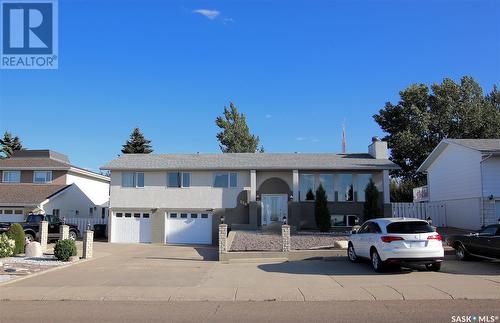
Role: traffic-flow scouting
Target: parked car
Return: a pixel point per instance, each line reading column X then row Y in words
column 31, row 227
column 397, row 242
column 484, row 244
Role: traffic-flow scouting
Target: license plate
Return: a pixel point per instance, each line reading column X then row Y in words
column 417, row 244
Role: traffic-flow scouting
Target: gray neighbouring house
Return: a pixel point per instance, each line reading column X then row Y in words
column 180, row 198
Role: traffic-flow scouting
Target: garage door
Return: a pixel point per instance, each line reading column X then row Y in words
column 11, row 215
column 189, row 228
column 131, row 227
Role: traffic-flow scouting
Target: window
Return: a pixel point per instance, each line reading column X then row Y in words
column 221, row 180
column 173, row 215
column 176, row 179
column 128, row 215
column 119, row 215
column 11, row 176
column 18, row 211
column 137, row 215
column 194, row 215
column 307, row 187
column 362, row 181
column 42, row 176
column 364, row 228
column 204, row 216
column 345, row 188
column 326, row 180
column 488, row 231
column 184, row 215
column 374, row 228
column 409, row 227
column 233, row 179
column 91, row 211
column 145, row 215
column 56, row 212
column 131, row 179
column 8, row 212
column 103, row 212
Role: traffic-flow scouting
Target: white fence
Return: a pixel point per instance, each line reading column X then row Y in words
column 435, row 210
column 82, row 222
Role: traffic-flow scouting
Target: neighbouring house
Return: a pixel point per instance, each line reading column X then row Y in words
column 44, row 181
column 464, row 175
column 181, row 198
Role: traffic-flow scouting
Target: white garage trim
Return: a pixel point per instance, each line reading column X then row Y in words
column 11, row 215
column 131, row 227
column 188, row 228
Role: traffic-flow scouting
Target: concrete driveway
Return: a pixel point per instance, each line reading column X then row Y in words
column 157, row 272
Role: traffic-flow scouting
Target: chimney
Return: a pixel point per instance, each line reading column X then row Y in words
column 378, row 149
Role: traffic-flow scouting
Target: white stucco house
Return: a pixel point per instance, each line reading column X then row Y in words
column 181, row 198
column 464, row 175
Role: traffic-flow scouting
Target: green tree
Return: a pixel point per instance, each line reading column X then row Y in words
column 137, row 144
column 402, row 190
column 310, row 195
column 235, row 136
column 10, row 144
column 16, row 233
column 371, row 206
column 321, row 212
column 423, row 117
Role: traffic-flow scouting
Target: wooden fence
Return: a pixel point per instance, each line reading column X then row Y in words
column 434, row 210
column 82, row 222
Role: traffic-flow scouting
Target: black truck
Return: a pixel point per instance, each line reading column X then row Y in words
column 31, row 227
column 484, row 244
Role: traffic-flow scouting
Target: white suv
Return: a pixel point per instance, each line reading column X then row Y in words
column 397, row 241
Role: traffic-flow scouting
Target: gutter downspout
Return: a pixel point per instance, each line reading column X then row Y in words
column 482, row 187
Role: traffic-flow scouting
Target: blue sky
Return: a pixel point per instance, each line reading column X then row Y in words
column 296, row 69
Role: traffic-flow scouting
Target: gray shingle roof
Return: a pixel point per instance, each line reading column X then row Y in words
column 243, row 161
column 484, row 145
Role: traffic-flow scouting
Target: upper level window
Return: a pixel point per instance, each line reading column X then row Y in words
column 11, row 176
column 346, row 192
column 223, row 179
column 326, row 180
column 362, row 181
column 42, row 176
column 131, row 179
column 307, row 187
column 177, row 179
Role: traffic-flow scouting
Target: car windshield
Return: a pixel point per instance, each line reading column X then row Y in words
column 409, row 227
column 34, row 218
column 488, row 231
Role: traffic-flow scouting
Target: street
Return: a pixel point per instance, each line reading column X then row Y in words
column 342, row 311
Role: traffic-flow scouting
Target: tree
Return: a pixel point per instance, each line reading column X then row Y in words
column 401, row 190
column 235, row 136
column 137, row 144
column 310, row 195
column 423, row 117
column 371, row 206
column 10, row 144
column 321, row 212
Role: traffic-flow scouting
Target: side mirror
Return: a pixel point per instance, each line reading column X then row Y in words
column 354, row 231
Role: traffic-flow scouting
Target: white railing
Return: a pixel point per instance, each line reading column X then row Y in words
column 82, row 222
column 434, row 210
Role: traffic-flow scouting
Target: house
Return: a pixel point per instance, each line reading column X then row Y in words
column 44, row 181
column 464, row 175
column 181, row 198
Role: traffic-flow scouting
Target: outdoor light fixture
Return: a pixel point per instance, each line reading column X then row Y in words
column 491, row 197
column 222, row 219
column 291, row 197
column 284, row 219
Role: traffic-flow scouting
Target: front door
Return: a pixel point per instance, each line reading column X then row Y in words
column 274, row 208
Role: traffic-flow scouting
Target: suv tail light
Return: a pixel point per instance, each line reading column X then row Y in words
column 389, row 239
column 435, row 237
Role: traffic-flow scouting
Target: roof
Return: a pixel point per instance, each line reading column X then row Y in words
column 40, row 153
column 244, row 161
column 32, row 163
column 484, row 146
column 28, row 194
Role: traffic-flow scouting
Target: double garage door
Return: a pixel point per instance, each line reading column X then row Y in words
column 131, row 227
column 11, row 215
column 189, row 228
column 180, row 228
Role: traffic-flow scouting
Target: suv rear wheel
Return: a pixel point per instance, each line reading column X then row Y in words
column 461, row 253
column 377, row 263
column 29, row 236
column 73, row 235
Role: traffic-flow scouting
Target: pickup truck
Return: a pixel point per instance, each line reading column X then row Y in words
column 31, row 227
column 484, row 244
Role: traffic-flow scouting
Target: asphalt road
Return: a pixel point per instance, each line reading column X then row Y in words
column 350, row 311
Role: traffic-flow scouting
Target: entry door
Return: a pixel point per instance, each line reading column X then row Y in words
column 274, row 208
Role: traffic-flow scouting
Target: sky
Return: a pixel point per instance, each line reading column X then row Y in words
column 297, row 70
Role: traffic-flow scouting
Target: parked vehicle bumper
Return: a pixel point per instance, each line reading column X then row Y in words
column 412, row 254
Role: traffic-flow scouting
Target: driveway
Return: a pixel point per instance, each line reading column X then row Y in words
column 157, row 272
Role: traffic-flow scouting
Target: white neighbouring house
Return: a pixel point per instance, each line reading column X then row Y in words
column 464, row 175
column 44, row 181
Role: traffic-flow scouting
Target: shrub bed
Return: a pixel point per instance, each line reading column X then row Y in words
column 6, row 246
column 64, row 249
column 16, row 233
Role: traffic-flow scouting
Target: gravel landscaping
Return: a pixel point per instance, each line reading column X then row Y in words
column 12, row 267
column 271, row 241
